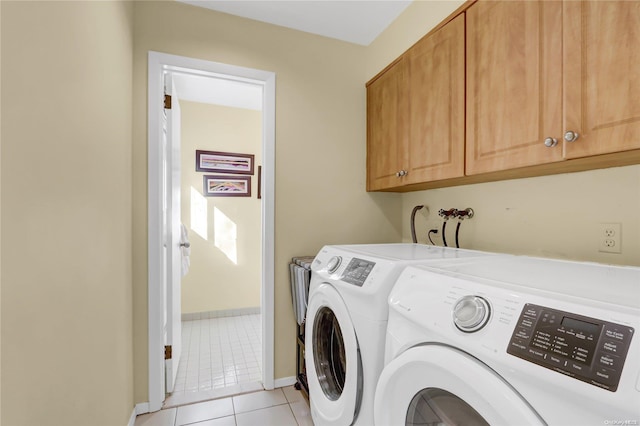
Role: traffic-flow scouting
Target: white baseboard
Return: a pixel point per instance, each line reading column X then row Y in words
column 132, row 418
column 193, row 316
column 142, row 408
column 284, row 382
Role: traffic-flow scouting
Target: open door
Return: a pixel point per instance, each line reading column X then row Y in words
column 172, row 235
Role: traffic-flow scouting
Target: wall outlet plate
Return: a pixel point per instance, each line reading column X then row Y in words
column 610, row 238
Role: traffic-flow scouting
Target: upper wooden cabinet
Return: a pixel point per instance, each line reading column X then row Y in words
column 547, row 87
column 387, row 117
column 514, row 84
column 537, row 70
column 415, row 113
column 601, row 76
column 436, row 105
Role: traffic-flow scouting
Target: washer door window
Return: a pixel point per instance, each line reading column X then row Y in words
column 435, row 406
column 440, row 385
column 329, row 353
column 334, row 368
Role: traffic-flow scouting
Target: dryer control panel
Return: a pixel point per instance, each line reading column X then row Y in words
column 584, row 348
column 357, row 271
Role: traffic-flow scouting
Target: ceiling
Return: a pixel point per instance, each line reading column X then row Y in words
column 354, row 21
column 217, row 91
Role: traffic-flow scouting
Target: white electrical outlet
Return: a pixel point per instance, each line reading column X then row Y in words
column 610, row 238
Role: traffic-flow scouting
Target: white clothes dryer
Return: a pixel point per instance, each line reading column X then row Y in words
column 512, row 341
column 346, row 323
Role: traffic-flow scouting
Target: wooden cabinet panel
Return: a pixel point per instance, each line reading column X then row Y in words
column 533, row 71
column 436, row 104
column 602, row 76
column 415, row 113
column 387, row 115
column 514, row 84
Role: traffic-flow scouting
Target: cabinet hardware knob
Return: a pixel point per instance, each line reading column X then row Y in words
column 550, row 142
column 401, row 173
column 570, row 136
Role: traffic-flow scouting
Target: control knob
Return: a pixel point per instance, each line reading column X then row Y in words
column 334, row 264
column 471, row 313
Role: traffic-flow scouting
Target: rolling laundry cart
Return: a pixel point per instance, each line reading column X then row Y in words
column 300, row 274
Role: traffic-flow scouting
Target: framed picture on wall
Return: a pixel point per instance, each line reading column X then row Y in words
column 227, row 186
column 224, row 162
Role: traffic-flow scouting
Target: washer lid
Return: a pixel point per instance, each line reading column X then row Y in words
column 466, row 388
column 618, row 285
column 332, row 355
column 407, row 252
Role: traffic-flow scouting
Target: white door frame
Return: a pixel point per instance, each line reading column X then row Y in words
column 158, row 63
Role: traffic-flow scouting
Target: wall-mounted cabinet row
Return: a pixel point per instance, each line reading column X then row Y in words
column 507, row 85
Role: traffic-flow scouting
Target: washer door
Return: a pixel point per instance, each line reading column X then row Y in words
column 334, row 369
column 435, row 384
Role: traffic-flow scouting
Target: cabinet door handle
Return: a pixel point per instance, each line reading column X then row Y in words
column 550, row 142
column 401, row 173
column 571, row 136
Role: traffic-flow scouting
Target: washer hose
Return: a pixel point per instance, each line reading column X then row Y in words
column 413, row 223
column 444, row 235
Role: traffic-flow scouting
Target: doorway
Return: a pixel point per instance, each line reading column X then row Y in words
column 159, row 307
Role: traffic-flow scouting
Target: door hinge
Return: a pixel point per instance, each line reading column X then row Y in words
column 167, row 101
column 167, row 352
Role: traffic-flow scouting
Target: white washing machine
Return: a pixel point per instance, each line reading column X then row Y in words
column 346, row 323
column 512, row 341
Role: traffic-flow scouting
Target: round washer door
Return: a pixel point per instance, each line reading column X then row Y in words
column 435, row 384
column 332, row 359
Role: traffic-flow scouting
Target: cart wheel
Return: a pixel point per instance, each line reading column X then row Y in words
column 297, row 386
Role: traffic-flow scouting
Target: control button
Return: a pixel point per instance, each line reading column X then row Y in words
column 577, row 368
column 471, row 313
column 517, row 345
column 523, row 333
column 615, row 333
column 606, row 376
column 531, row 311
column 605, row 360
column 556, row 361
column 334, row 264
column 527, row 322
column 611, row 347
column 534, row 353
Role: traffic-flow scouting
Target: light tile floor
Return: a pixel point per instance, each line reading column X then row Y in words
column 220, row 357
column 279, row 407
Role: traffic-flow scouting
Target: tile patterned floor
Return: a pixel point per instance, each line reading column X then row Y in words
column 278, row 407
column 220, row 357
column 219, row 377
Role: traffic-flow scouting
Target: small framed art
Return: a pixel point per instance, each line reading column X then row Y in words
column 224, row 162
column 227, row 186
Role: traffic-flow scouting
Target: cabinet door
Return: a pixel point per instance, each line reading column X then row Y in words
column 602, row 76
column 436, row 104
column 387, row 115
column 514, row 84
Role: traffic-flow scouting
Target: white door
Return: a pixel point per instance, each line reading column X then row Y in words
column 172, row 231
column 437, row 384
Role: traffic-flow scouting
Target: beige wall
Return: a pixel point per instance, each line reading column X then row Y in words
column 320, row 147
column 412, row 24
column 215, row 281
column 66, row 213
column 551, row 216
